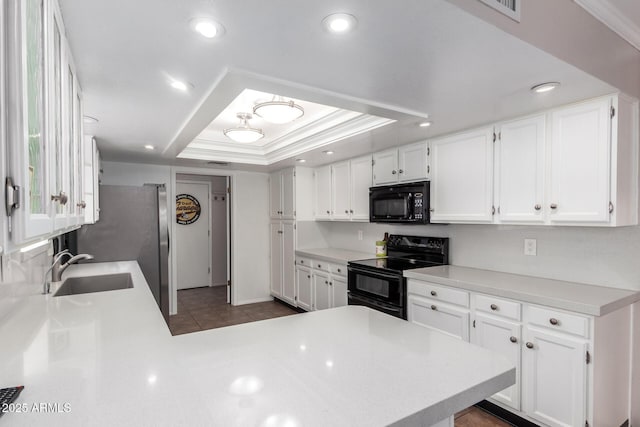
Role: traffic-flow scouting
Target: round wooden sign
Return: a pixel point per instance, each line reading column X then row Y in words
column 187, row 209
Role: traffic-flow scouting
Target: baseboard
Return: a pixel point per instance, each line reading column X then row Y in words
column 219, row 284
column 253, row 301
column 505, row 415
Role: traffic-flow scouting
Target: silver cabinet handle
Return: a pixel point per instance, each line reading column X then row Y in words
column 553, row 321
column 537, row 207
column 513, row 339
column 434, row 293
column 493, row 307
column 553, row 206
column 60, row 198
column 393, row 172
column 82, row 204
column 400, row 171
column 433, row 307
column 529, row 345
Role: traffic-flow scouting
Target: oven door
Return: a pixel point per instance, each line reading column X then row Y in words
column 377, row 285
column 392, row 310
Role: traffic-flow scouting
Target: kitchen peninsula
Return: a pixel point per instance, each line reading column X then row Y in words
column 108, row 359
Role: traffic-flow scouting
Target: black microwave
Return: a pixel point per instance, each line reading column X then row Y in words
column 400, row 203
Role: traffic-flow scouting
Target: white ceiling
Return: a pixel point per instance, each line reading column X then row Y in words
column 425, row 58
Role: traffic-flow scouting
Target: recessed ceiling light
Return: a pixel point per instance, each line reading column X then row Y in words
column 328, row 152
column 88, row 120
column 545, row 87
column 300, row 160
column 339, row 23
column 149, row 147
column 207, row 27
column 424, row 124
column 181, row 86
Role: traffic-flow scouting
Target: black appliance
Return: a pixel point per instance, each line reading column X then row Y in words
column 378, row 283
column 400, row 203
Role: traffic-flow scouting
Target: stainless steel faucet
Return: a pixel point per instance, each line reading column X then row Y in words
column 57, row 268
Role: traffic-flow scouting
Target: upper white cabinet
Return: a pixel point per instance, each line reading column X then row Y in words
column 282, row 193
column 462, row 177
column 342, row 190
column 519, row 170
column 91, row 180
column 404, row 164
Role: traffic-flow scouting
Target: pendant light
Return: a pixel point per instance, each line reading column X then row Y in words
column 278, row 110
column 244, row 133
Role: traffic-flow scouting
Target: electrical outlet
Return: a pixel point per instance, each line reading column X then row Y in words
column 530, row 247
column 360, row 235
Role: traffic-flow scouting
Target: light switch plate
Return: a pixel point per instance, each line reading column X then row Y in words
column 530, row 247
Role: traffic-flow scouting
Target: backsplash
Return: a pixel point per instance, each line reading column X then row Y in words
column 599, row 256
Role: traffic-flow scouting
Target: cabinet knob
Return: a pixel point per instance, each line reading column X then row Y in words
column 434, row 293
column 326, row 282
column 346, row 211
column 330, row 283
column 553, row 321
column 529, row 345
column 431, row 210
column 393, row 172
column 339, row 271
column 308, row 276
column 400, row 171
column 82, row 204
column 60, row 198
column 350, row 210
column 433, row 307
column 537, row 207
column 319, row 266
column 553, row 206
column 493, row 307
column 301, row 261
column 513, row 339
column 327, row 212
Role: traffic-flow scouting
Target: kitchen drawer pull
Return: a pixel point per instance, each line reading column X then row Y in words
column 494, row 307
column 327, row 212
column 553, row 206
column 434, row 293
column 393, row 172
column 308, row 276
column 537, row 207
column 433, row 307
column 529, row 345
column 339, row 271
column 513, row 339
column 346, row 211
column 60, row 198
column 553, row 321
column 319, row 266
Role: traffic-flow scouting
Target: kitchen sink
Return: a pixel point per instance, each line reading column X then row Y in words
column 90, row 284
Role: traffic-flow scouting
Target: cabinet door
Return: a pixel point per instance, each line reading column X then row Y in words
column 519, row 170
column 340, row 191
column 321, row 291
column 288, row 194
column 385, row 167
column 502, row 337
column 339, row 291
column 275, row 195
column 439, row 317
column 412, row 162
column 554, row 378
column 305, row 288
column 462, row 177
column 276, row 259
column 288, row 263
column 89, row 176
column 361, row 171
column 323, row 193
column 580, row 163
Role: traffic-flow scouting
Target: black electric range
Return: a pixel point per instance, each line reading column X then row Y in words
column 378, row 283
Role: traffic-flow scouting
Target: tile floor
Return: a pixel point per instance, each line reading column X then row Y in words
column 207, row 308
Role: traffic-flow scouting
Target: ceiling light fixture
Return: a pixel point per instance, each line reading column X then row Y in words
column 89, row 120
column 181, row 86
column 545, row 87
column 207, row 27
column 424, row 124
column 149, row 147
column 278, row 110
column 244, row 133
column 339, row 23
column 328, row 152
column 300, row 160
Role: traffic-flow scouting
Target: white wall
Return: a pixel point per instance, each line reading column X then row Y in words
column 115, row 173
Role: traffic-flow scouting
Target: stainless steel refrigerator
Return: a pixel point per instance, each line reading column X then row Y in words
column 134, row 226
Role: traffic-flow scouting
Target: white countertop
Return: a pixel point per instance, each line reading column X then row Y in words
column 111, row 357
column 578, row 297
column 340, row 256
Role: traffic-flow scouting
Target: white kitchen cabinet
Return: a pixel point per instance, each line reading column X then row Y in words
column 322, row 291
column 462, row 177
column 439, row 316
column 322, row 193
column 341, row 190
column 91, row 187
column 276, row 258
column 282, row 194
column 360, row 175
column 339, row 291
column 283, row 280
column 304, row 284
column 520, row 171
column 403, row 164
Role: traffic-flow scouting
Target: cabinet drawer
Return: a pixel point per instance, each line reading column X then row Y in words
column 438, row 293
column 338, row 269
column 320, row 265
column 438, row 316
column 558, row 320
column 498, row 306
column 305, row 262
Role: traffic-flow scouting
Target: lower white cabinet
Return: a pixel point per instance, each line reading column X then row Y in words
column 322, row 291
column 304, row 286
column 339, row 291
column 283, row 280
column 439, row 316
column 320, row 285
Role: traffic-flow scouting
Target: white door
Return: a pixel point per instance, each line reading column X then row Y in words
column 340, row 190
column 288, row 263
column 580, row 159
column 275, row 195
column 437, row 316
column 323, row 193
column 288, row 192
column 322, row 295
column 519, row 170
column 339, row 289
column 502, row 337
column 361, row 171
column 385, row 167
column 554, row 378
column 462, row 177
column 192, row 235
column 276, row 258
column 412, row 162
column 305, row 288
